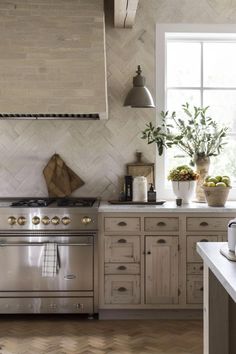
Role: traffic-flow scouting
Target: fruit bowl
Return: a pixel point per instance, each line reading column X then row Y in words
column 216, row 196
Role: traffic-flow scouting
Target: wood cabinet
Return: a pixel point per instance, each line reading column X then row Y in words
column 148, row 260
column 161, row 269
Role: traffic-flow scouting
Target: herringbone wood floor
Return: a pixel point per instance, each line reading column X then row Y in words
column 44, row 335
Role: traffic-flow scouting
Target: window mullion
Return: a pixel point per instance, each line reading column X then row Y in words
column 202, row 73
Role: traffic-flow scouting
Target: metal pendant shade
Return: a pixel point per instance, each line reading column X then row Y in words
column 139, row 96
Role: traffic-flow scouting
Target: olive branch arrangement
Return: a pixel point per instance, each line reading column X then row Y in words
column 196, row 134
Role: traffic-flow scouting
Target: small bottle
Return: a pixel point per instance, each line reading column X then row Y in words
column 152, row 195
column 128, row 188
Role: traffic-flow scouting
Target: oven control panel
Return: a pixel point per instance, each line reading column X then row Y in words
column 38, row 221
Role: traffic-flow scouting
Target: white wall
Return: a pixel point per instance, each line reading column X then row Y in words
column 98, row 151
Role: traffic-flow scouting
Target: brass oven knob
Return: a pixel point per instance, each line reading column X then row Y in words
column 55, row 220
column 46, row 220
column 35, row 220
column 86, row 220
column 11, row 220
column 65, row 220
column 21, row 220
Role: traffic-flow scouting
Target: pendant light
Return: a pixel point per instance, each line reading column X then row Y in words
column 139, row 96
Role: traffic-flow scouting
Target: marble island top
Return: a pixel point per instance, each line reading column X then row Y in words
column 169, row 206
column 223, row 269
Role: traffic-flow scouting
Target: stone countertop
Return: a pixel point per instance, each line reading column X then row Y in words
column 169, row 206
column 223, row 269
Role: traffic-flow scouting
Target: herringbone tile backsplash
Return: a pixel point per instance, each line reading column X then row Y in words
column 99, row 150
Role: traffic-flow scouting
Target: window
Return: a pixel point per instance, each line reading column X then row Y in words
column 197, row 64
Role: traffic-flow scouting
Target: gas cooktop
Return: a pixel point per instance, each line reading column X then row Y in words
column 74, row 202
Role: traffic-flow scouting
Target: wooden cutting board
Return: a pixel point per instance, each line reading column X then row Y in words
column 140, row 168
column 60, row 179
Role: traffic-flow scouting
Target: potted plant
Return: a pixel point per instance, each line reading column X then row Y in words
column 183, row 182
column 196, row 134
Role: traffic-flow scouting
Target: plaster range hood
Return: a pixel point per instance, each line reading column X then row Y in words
column 53, row 65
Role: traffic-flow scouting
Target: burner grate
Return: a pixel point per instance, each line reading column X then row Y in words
column 76, row 202
column 32, row 203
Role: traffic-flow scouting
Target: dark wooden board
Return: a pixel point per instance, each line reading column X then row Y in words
column 158, row 202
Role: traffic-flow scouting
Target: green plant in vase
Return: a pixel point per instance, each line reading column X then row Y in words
column 195, row 134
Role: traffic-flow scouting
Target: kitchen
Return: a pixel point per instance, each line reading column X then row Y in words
column 34, row 54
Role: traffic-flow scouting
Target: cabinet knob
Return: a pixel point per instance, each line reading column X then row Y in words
column 161, row 223
column 161, row 241
column 122, row 223
column 122, row 240
column 201, row 289
column 121, row 267
column 201, row 268
column 203, row 223
column 122, row 289
column 149, row 252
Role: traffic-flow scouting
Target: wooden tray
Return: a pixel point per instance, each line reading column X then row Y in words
column 158, row 202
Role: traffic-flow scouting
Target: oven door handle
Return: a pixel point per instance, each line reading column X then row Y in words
column 3, row 244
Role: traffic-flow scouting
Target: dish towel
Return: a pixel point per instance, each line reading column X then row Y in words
column 50, row 260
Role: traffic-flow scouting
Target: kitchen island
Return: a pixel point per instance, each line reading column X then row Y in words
column 219, row 300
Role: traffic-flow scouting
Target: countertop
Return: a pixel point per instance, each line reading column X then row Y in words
column 223, row 269
column 169, row 206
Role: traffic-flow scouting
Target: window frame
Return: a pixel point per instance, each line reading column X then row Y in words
column 207, row 31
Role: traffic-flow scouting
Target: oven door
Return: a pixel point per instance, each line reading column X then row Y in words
column 21, row 260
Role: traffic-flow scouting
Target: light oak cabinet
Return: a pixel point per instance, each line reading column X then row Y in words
column 149, row 261
column 161, row 269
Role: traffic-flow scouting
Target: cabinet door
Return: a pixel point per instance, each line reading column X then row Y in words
column 161, row 269
column 122, row 249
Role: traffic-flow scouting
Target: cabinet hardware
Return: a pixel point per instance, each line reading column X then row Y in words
column 122, row 223
column 161, row 223
column 203, row 223
column 161, row 241
column 201, row 289
column 122, row 240
column 201, row 268
column 204, row 240
column 149, row 252
column 122, row 289
column 121, row 267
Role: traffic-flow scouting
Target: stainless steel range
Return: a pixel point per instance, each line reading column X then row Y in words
column 48, row 256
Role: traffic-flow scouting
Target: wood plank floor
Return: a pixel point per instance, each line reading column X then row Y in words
column 54, row 335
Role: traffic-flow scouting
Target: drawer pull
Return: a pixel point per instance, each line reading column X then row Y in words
column 122, row 223
column 201, row 268
column 161, row 223
column 201, row 289
column 161, row 241
column 121, row 267
column 204, row 223
column 204, row 240
column 122, row 240
column 122, row 289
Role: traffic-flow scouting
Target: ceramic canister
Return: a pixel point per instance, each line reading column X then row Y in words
column 232, row 235
column 140, row 189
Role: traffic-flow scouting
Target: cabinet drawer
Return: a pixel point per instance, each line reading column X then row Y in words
column 122, row 289
column 122, row 249
column 207, row 224
column 192, row 255
column 194, row 289
column 195, row 268
column 122, row 224
column 122, row 268
column 161, row 224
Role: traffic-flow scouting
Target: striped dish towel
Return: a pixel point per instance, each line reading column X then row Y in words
column 50, row 260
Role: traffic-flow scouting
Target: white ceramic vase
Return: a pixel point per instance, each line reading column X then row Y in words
column 184, row 190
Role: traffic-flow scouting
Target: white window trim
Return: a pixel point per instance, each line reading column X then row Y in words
column 171, row 29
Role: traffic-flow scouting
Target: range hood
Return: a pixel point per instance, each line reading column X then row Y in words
column 53, row 65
